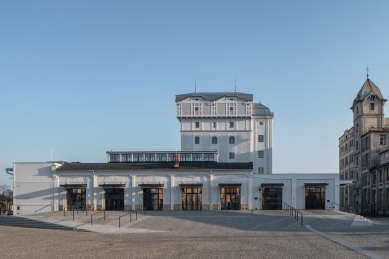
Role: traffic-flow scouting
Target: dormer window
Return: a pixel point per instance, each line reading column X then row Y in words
column 372, row 98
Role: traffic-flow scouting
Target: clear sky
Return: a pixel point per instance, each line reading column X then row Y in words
column 85, row 77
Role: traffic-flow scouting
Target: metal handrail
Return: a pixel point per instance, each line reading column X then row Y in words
column 332, row 205
column 293, row 212
column 91, row 216
column 44, row 207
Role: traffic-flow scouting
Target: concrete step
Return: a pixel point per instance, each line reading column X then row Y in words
column 14, row 221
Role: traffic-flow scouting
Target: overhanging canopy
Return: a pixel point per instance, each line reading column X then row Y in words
column 230, row 184
column 315, row 184
column 115, row 185
column 272, row 185
column 69, row 186
column 151, row 185
column 191, row 185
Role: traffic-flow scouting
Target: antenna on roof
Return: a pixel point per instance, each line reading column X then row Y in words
column 195, row 86
column 367, row 69
column 235, row 84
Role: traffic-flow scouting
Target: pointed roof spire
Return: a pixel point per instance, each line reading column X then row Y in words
column 367, row 74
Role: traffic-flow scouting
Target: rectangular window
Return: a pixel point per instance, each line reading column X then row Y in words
column 260, row 170
column 126, row 158
column 387, row 174
column 197, row 140
column 114, row 158
column 260, row 138
column 383, row 139
column 149, row 157
column 161, row 157
column 231, row 124
column 381, row 175
column 214, row 125
column 356, row 127
column 372, row 106
column 260, row 123
column 260, row 154
column 231, row 155
column 138, row 157
column 197, row 124
column 209, row 157
column 197, row 157
column 185, row 157
column 170, row 157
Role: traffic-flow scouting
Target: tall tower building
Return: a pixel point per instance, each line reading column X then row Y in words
column 360, row 153
column 230, row 123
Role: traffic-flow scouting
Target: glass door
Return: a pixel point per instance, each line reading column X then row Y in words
column 315, row 198
column 191, row 198
column 153, row 198
column 114, row 199
column 230, row 198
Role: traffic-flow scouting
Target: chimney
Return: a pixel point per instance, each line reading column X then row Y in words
column 176, row 160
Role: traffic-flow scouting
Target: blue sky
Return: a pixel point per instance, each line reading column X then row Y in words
column 84, row 77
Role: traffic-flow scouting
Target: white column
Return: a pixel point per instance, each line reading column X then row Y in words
column 171, row 192
column 133, row 195
column 249, row 192
column 294, row 194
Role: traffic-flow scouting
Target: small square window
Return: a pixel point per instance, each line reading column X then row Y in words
column 197, row 125
column 260, row 138
column 231, row 124
column 260, row 170
column 260, row 123
column 261, row 154
column 232, row 155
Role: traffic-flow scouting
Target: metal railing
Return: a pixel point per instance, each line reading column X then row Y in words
column 44, row 207
column 294, row 212
column 332, row 205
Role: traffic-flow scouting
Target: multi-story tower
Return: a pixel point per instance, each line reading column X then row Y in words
column 360, row 148
column 230, row 123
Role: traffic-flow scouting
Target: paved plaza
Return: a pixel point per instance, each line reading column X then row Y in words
column 194, row 234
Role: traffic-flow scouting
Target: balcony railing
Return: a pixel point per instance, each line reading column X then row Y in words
column 374, row 128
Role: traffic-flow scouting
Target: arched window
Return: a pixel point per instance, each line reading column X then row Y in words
column 214, row 140
column 232, row 140
column 197, row 140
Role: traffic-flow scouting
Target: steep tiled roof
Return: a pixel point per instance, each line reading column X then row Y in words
column 153, row 166
column 367, row 88
column 215, row 96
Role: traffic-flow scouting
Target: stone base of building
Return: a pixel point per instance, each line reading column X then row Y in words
column 166, row 207
column 90, row 207
column 177, row 207
column 205, row 206
column 138, row 207
column 127, row 207
column 215, row 207
column 99, row 207
column 244, row 207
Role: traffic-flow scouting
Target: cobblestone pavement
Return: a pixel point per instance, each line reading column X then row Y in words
column 202, row 234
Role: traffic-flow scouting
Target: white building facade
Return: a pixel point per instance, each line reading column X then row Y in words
column 225, row 163
column 230, row 123
column 42, row 187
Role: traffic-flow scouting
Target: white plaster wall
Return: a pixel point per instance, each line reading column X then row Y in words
column 33, row 187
